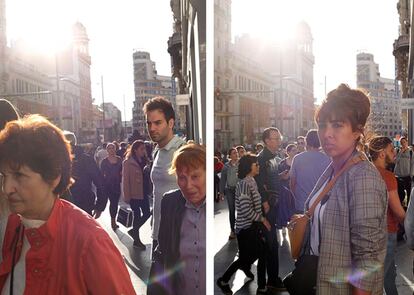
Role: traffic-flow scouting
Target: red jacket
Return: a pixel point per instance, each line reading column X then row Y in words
column 69, row 254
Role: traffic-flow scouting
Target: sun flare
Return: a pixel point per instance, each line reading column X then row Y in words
column 43, row 25
column 268, row 19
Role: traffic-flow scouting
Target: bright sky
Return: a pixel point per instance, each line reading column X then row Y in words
column 340, row 30
column 114, row 28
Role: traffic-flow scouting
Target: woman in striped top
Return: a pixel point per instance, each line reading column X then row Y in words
column 248, row 211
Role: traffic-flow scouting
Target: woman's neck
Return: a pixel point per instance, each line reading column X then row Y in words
column 112, row 158
column 339, row 161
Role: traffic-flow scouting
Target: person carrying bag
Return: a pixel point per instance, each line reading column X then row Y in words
column 302, row 280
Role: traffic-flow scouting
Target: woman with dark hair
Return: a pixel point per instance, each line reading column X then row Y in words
column 111, row 168
column 228, row 183
column 348, row 230
column 50, row 245
column 285, row 164
column 249, row 211
column 133, row 183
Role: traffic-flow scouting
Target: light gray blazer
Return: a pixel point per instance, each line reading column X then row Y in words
column 354, row 231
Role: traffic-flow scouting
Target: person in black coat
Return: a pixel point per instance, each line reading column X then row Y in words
column 85, row 172
column 179, row 261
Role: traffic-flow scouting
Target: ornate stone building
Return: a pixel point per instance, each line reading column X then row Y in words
column 385, row 117
column 403, row 60
column 260, row 84
column 58, row 87
column 148, row 84
column 187, row 47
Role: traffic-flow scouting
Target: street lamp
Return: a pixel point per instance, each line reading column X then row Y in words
column 103, row 109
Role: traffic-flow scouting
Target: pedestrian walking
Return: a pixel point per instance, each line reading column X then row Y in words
column 122, row 150
column 259, row 147
column 404, row 170
column 301, row 143
column 306, row 169
column 50, row 245
column 269, row 184
column 348, row 231
column 382, row 153
column 249, row 236
column 228, row 182
column 179, row 262
column 111, row 168
column 133, row 179
column 286, row 164
column 241, row 150
column 87, row 192
column 101, row 154
column 218, row 166
column 160, row 119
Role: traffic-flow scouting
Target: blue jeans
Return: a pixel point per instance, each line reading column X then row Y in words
column 390, row 270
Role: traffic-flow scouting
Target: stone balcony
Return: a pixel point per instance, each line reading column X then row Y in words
column 402, row 43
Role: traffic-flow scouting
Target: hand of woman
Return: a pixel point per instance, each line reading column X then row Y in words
column 266, row 224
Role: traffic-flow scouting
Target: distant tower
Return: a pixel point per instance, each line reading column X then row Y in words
column 80, row 38
column 82, row 71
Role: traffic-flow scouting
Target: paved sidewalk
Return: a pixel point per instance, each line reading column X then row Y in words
column 226, row 252
column 138, row 262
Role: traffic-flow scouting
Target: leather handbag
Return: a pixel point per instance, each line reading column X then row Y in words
column 298, row 223
column 125, row 216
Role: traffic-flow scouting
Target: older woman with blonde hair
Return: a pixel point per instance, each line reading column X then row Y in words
column 50, row 245
column 179, row 262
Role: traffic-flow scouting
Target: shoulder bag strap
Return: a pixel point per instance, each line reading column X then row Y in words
column 331, row 183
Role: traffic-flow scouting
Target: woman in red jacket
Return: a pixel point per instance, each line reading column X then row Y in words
column 50, row 245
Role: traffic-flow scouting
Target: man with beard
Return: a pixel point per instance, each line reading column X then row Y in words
column 160, row 118
column 382, row 153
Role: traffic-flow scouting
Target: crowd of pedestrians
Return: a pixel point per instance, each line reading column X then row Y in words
column 359, row 190
column 53, row 189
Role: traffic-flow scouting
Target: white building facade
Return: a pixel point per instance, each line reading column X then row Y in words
column 385, row 118
column 148, row 84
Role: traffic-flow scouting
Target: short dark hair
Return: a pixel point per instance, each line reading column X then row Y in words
column 312, row 139
column 290, row 147
column 245, row 165
column 230, row 150
column 7, row 113
column 161, row 104
column 267, row 131
column 38, row 144
column 240, row 147
column 403, row 137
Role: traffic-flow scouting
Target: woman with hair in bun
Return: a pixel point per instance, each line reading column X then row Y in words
column 348, row 230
